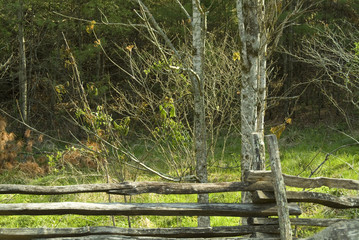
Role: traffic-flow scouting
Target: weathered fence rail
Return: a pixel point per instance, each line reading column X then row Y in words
column 269, row 198
column 133, row 188
column 297, row 221
column 133, row 209
column 300, row 182
column 310, row 197
column 187, row 232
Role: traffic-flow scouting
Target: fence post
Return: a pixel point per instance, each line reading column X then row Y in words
column 259, row 164
column 279, row 189
column 258, row 151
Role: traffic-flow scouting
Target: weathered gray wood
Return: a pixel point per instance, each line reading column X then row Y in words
column 129, row 188
column 258, row 164
column 130, row 209
column 317, row 222
column 266, row 235
column 348, row 230
column 116, row 237
column 258, row 151
column 279, row 189
column 187, row 232
column 300, row 182
column 312, row 197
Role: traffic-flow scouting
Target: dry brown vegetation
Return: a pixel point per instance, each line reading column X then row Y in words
column 83, row 158
column 18, row 154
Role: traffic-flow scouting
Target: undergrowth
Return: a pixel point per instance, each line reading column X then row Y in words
column 305, row 152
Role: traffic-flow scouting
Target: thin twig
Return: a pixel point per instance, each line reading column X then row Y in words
column 104, row 23
column 328, row 155
column 184, row 10
column 34, row 129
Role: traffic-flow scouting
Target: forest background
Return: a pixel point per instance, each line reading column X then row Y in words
column 102, row 96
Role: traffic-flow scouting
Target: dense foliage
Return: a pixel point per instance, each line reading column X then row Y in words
column 94, row 66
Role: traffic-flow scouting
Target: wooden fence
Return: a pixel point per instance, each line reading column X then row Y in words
column 268, row 195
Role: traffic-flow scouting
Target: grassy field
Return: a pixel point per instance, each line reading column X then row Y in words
column 302, row 151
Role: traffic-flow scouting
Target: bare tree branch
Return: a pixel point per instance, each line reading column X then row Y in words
column 184, row 10
column 2, row 66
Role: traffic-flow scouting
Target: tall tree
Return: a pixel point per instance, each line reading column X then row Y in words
column 198, row 38
column 262, row 82
column 249, row 17
column 257, row 28
column 22, row 71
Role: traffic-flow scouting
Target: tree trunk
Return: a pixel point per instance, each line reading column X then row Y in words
column 22, row 69
column 199, row 104
column 262, row 85
column 251, row 23
column 247, row 12
column 259, row 164
column 288, row 64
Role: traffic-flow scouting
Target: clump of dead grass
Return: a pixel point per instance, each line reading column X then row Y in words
column 17, row 153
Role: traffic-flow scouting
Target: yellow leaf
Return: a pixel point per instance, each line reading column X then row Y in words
column 60, row 89
column 236, row 56
column 97, row 43
column 67, row 63
column 288, row 120
column 91, row 27
column 129, row 47
column 278, row 130
column 279, row 7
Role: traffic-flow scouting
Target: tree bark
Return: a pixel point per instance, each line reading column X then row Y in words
column 262, row 84
column 22, row 69
column 199, row 104
column 247, row 13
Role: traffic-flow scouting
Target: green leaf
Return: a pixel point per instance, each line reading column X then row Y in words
column 163, row 112
column 172, row 112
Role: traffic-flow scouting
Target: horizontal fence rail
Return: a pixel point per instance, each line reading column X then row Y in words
column 117, row 237
column 310, row 197
column 132, row 209
column 300, row 182
column 185, row 232
column 317, row 222
column 133, row 188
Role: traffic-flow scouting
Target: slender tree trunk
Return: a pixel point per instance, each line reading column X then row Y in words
column 199, row 104
column 262, row 85
column 22, row 71
column 249, row 30
column 99, row 66
column 259, row 163
column 288, row 62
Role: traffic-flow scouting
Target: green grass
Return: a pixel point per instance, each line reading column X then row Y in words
column 302, row 150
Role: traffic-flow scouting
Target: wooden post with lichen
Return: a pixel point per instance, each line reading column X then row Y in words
column 279, row 189
column 258, row 165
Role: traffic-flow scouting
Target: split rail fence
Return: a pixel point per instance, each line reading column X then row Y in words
column 268, row 214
